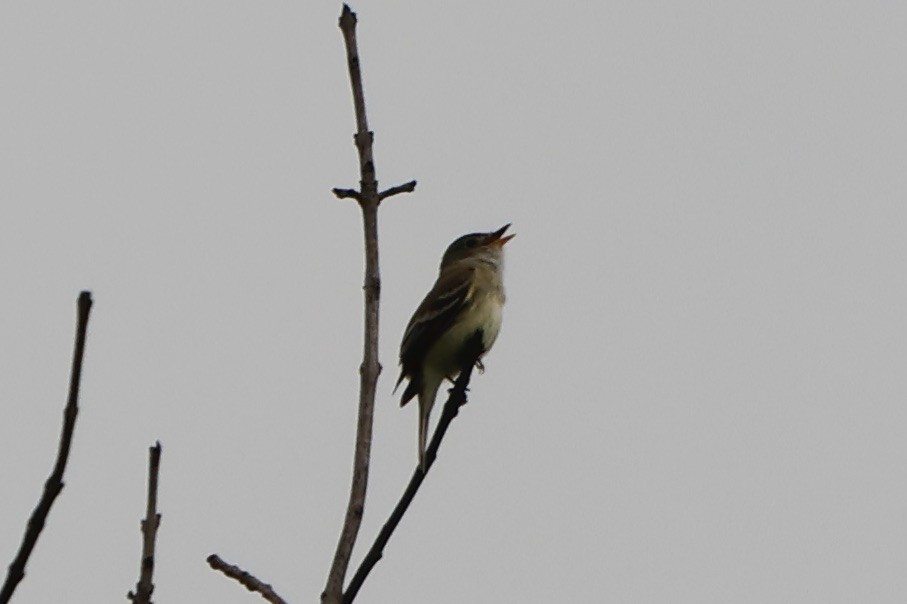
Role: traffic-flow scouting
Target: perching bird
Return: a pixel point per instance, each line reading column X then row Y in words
column 467, row 298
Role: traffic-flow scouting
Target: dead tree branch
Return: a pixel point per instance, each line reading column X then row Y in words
column 347, row 194
column 407, row 187
column 145, row 587
column 369, row 199
column 472, row 353
column 54, row 483
column 248, row 580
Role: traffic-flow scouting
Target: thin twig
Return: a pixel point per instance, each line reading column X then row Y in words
column 407, row 187
column 54, row 483
column 472, row 352
column 248, row 580
column 347, row 194
column 145, row 587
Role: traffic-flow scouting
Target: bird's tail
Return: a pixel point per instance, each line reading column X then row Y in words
column 426, row 402
column 423, row 435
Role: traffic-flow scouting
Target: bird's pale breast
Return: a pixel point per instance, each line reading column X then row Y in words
column 483, row 313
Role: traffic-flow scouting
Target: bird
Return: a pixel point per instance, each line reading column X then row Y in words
column 466, row 299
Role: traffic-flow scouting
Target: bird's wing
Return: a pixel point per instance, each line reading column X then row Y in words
column 439, row 310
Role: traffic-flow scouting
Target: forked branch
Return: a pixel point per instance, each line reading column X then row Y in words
column 368, row 198
column 471, row 354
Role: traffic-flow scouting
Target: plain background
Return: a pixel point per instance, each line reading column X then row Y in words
column 698, row 394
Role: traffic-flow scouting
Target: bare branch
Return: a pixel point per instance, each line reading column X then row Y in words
column 471, row 354
column 145, row 587
column 408, row 187
column 54, row 483
column 248, row 580
column 370, row 368
column 347, row 194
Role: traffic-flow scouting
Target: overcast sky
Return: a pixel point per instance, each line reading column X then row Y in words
column 698, row 394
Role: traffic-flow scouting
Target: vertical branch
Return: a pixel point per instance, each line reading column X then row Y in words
column 369, row 370
column 145, row 587
column 54, row 483
column 369, row 198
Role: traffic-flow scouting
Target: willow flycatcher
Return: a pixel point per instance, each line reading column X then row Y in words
column 467, row 298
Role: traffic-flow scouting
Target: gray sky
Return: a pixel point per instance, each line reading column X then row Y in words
column 698, row 392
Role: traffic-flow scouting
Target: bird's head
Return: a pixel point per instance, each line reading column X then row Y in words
column 478, row 245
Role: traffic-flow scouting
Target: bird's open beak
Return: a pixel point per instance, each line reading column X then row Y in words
column 498, row 239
